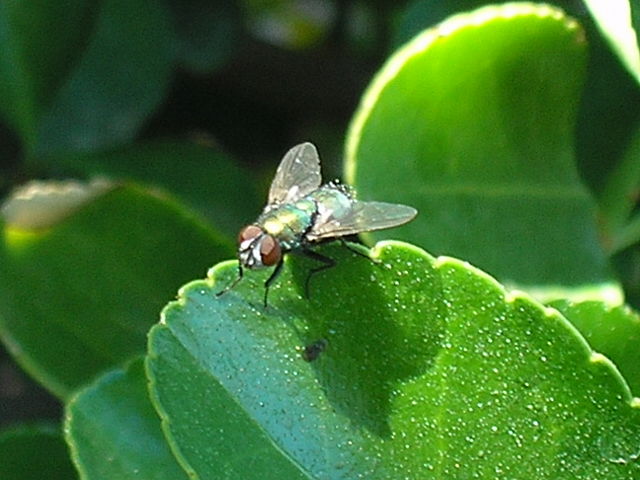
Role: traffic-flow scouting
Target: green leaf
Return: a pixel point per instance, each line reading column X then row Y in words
column 40, row 42
column 114, row 432
column 204, row 177
column 119, row 81
column 474, row 119
column 613, row 331
column 34, row 451
column 206, row 32
column 615, row 19
column 79, row 295
column 429, row 370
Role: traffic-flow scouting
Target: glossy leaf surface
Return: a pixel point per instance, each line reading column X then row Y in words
column 429, row 369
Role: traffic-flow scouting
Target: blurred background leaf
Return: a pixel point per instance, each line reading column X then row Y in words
column 113, row 412
column 513, row 192
column 33, row 66
column 616, row 19
column 200, row 175
column 105, row 255
column 120, row 80
column 612, row 331
column 206, row 32
column 31, row 451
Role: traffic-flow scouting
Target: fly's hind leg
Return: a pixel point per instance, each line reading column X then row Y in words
column 327, row 263
column 348, row 246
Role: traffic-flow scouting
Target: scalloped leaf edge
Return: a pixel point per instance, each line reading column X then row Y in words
column 509, row 296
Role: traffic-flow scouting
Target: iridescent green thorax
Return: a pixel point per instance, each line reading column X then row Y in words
column 290, row 223
column 287, row 223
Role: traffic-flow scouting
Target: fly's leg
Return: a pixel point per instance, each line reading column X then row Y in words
column 234, row 283
column 327, row 261
column 271, row 279
column 348, row 246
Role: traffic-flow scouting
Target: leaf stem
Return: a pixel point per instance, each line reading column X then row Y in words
column 626, row 236
column 619, row 197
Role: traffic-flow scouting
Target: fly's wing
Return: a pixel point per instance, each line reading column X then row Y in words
column 362, row 217
column 297, row 175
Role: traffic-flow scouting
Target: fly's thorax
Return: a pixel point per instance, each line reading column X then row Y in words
column 288, row 223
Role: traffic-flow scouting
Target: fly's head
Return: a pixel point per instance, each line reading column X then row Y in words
column 257, row 249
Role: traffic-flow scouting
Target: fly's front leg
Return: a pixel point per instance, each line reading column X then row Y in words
column 327, row 261
column 234, row 283
column 271, row 279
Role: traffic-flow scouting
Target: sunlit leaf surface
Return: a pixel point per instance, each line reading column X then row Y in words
column 429, row 369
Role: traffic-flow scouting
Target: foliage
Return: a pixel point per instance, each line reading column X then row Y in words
column 513, row 129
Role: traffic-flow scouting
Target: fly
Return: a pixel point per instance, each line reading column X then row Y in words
column 302, row 213
column 313, row 350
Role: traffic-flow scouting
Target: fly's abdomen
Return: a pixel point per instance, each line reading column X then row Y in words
column 332, row 202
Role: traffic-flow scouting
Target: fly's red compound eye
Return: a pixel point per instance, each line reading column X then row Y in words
column 248, row 233
column 270, row 251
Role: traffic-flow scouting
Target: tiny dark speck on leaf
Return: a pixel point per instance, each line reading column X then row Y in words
column 313, row 350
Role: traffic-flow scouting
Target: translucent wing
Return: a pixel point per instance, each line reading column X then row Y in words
column 297, row 175
column 362, row 217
